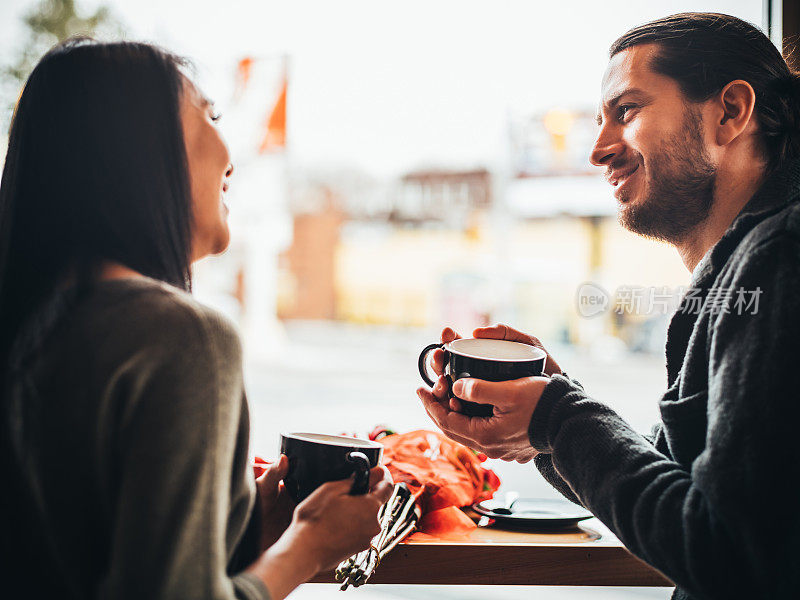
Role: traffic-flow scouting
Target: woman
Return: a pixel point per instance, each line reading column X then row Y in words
column 125, row 426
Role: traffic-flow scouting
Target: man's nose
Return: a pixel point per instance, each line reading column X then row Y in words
column 606, row 147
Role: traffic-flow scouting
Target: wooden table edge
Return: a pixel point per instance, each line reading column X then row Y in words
column 513, row 564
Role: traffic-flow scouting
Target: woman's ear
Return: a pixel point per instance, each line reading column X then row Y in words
column 734, row 108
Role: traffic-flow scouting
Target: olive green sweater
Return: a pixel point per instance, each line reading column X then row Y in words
column 144, row 448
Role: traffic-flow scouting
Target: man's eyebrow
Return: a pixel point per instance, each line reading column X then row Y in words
column 615, row 100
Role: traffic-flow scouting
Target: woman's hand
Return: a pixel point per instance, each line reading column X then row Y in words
column 333, row 525
column 328, row 526
column 274, row 502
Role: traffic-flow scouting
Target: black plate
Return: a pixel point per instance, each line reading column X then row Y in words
column 550, row 512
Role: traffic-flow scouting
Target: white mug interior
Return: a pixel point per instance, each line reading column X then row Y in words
column 497, row 350
column 334, row 440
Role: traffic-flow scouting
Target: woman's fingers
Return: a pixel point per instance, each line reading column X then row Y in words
column 383, row 491
column 378, row 474
column 269, row 479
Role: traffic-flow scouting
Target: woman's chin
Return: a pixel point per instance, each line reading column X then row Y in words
column 223, row 241
column 217, row 245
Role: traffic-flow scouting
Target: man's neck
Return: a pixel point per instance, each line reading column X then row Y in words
column 731, row 193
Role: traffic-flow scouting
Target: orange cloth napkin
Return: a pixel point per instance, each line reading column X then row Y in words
column 260, row 465
column 443, row 475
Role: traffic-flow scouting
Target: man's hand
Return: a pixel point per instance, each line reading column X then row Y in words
column 504, row 332
column 274, row 502
column 505, row 434
column 495, row 332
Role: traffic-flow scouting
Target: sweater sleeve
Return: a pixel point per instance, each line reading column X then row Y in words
column 182, row 399
column 247, row 550
column 716, row 528
column 544, row 464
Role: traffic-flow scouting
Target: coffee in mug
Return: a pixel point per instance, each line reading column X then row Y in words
column 316, row 458
column 487, row 359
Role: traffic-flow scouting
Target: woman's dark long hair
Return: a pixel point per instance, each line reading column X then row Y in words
column 96, row 171
column 704, row 52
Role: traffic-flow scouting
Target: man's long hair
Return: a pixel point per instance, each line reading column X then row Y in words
column 704, row 52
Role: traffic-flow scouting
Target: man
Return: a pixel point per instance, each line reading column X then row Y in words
column 699, row 135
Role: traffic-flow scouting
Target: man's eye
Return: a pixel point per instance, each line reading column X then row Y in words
column 623, row 111
column 215, row 116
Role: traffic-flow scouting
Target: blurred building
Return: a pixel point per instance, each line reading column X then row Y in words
column 440, row 196
column 307, row 269
column 376, row 261
column 568, row 214
column 469, row 247
column 556, row 142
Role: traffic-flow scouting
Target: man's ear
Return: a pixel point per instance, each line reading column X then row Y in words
column 733, row 108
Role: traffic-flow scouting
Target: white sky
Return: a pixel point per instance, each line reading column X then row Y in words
column 388, row 86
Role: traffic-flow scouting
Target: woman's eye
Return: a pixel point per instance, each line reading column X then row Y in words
column 215, row 116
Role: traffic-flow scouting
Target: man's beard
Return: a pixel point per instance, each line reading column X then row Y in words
column 679, row 190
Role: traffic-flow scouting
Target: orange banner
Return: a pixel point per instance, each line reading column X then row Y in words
column 243, row 70
column 275, row 125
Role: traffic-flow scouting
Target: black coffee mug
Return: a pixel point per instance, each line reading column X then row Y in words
column 490, row 360
column 316, row 458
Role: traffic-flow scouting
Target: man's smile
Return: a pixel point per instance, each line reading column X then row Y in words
column 620, row 178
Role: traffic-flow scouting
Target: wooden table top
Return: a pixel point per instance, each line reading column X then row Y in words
column 586, row 555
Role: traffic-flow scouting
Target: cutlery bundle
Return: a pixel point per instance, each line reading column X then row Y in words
column 398, row 518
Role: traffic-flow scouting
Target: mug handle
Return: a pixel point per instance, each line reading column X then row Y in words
column 423, row 363
column 361, row 469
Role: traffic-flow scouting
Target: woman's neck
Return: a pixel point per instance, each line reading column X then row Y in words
column 114, row 270
column 106, row 271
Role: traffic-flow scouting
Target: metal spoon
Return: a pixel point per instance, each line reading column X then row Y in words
column 510, row 498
